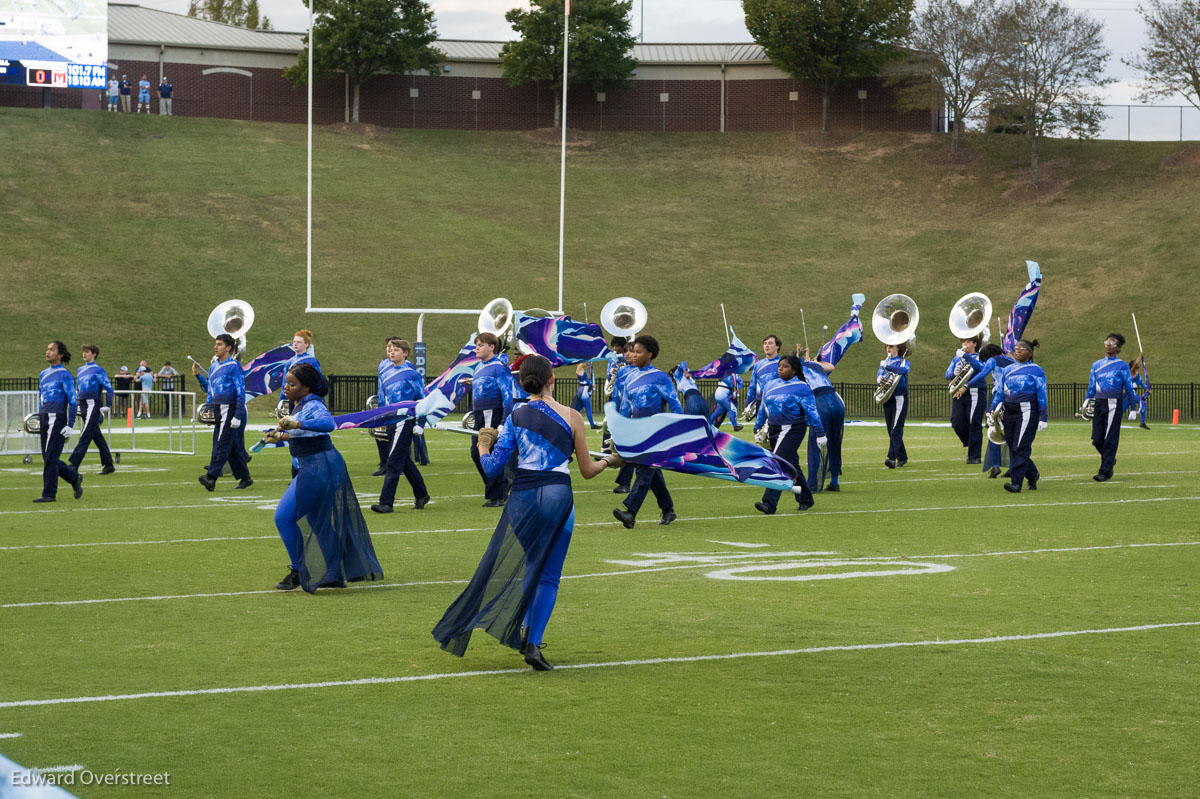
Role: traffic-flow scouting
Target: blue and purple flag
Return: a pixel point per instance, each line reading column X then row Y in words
column 377, row 417
column 847, row 334
column 689, row 444
column 736, row 360
column 1022, row 309
column 561, row 339
column 689, row 393
column 265, row 374
column 463, row 365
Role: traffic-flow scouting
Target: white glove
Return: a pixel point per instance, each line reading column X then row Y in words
column 822, row 441
column 959, row 352
column 1133, row 416
column 418, row 430
column 883, row 363
column 105, row 410
column 858, row 299
column 67, row 432
column 760, row 435
column 236, row 423
column 1042, row 426
column 288, row 423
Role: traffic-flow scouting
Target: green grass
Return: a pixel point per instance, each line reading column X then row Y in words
column 126, row 231
column 1102, row 714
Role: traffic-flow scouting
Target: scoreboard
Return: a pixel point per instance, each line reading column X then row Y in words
column 57, row 44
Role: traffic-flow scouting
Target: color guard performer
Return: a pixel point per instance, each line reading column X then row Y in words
column 491, row 403
column 1022, row 389
column 1110, row 381
column 725, row 402
column 620, row 365
column 789, row 404
column 400, row 383
column 830, row 404
column 90, row 380
column 227, row 391
column 583, row 393
column 301, row 344
column 1141, row 384
column 56, row 417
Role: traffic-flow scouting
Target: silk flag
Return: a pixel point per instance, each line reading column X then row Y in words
column 849, row 333
column 736, row 360
column 377, row 417
column 561, row 340
column 690, row 445
column 265, row 374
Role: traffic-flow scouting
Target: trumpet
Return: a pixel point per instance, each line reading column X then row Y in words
column 894, row 322
column 969, row 317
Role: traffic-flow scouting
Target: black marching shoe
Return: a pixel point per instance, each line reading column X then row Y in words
column 78, row 486
column 1032, row 481
column 290, row 582
column 993, row 472
column 494, row 503
column 1100, row 478
column 382, row 508
column 332, row 584
column 891, row 464
column 620, row 489
column 245, row 482
column 1007, row 473
column 534, row 657
column 668, row 517
column 900, row 464
column 803, row 505
column 380, row 472
column 974, row 460
column 45, row 499
column 208, row 482
column 108, row 469
column 420, row 502
column 1012, row 488
column 524, row 639
column 833, row 487
column 1144, row 426
column 737, row 428
column 624, row 517
column 763, row 507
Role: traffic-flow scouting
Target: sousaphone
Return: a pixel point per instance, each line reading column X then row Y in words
column 894, row 322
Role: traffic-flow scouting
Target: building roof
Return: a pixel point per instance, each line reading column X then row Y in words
column 134, row 24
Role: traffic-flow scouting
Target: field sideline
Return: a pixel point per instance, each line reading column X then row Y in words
column 920, row 633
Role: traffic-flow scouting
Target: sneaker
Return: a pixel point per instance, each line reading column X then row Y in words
column 625, row 517
column 1012, row 488
column 380, row 472
column 667, row 517
column 78, row 486
column 621, row 489
column 891, row 464
column 1144, row 426
column 208, row 482
column 420, row 502
column 382, row 508
column 993, row 472
column 245, row 482
column 737, row 428
column 290, row 582
column 45, row 499
column 494, row 503
column 763, row 507
column 108, row 469
column 534, row 657
column 332, row 584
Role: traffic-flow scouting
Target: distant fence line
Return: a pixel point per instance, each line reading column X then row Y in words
column 158, row 402
column 925, row 400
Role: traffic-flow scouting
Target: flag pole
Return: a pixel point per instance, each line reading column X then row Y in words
column 562, row 190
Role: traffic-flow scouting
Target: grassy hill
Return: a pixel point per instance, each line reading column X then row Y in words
column 127, row 230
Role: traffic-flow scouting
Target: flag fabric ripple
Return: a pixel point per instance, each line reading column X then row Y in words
column 736, row 360
column 562, row 340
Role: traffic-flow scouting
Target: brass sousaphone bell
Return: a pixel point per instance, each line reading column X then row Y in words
column 894, row 322
column 234, row 317
column 969, row 317
column 497, row 318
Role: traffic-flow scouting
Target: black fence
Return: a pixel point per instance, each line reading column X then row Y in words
column 926, row 400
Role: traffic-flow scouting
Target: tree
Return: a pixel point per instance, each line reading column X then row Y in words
column 1170, row 59
column 598, row 49
column 230, row 12
column 1051, row 68
column 955, row 49
column 828, row 42
column 362, row 37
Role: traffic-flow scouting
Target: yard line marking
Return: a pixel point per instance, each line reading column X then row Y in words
column 809, row 513
column 812, row 650
column 58, row 769
column 737, row 544
column 10, row 735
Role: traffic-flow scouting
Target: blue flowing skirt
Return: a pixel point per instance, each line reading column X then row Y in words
column 336, row 542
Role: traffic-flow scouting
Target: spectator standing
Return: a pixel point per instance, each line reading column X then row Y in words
column 168, row 373
column 143, row 94
column 164, row 98
column 122, row 382
column 126, row 87
column 114, row 89
column 145, row 377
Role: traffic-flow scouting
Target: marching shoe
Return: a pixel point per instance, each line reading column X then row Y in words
column 420, row 502
column 380, row 472
column 974, row 460
column 1007, row 473
column 1099, row 478
column 900, row 464
column 668, row 517
column 803, row 505
column 524, row 639
column 1012, row 488
column 738, row 428
column 763, row 507
column 620, row 489
column 332, row 584
column 624, row 517
column 208, row 482
column 494, row 503
column 78, row 486
column 244, row 483
column 891, row 464
column 534, row 657
column 291, row 581
column 382, row 508
column 108, row 469
column 1033, row 482
column 833, row 487
column 993, row 472
column 1144, row 426
column 45, row 499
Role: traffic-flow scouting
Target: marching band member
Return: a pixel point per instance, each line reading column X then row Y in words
column 382, row 445
column 623, row 369
column 301, row 343
column 1022, row 389
column 90, row 379
column 491, row 402
column 968, row 406
column 400, row 383
column 830, row 404
column 765, row 372
column 895, row 410
column 788, row 402
column 583, row 392
column 725, row 402
column 993, row 360
column 227, row 391
column 515, row 586
column 1109, row 382
column 321, row 493
column 1137, row 367
column 644, row 391
column 56, row 415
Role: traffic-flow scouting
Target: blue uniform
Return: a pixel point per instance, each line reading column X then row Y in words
column 966, row 412
column 1022, row 389
column 996, row 455
column 644, row 392
column 583, row 396
column 95, row 391
column 56, row 388
column 765, row 372
column 335, row 544
column 400, row 384
column 895, row 410
column 725, row 402
column 832, row 409
column 626, row 472
column 516, row 582
column 296, row 360
column 1109, row 383
column 790, row 407
column 226, row 387
column 491, row 403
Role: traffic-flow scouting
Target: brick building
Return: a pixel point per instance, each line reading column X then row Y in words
column 222, row 71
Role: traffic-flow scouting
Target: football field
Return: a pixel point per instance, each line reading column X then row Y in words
column 919, row 633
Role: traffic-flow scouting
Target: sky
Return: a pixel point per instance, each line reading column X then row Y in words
column 674, row 21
